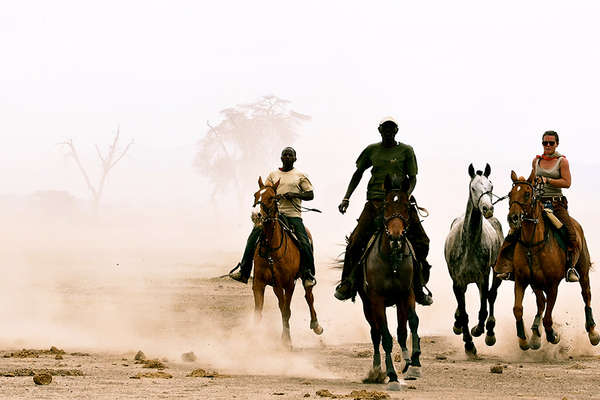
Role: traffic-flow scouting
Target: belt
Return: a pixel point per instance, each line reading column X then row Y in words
column 553, row 198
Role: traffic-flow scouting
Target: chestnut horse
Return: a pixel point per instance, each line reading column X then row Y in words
column 277, row 262
column 540, row 262
column 388, row 270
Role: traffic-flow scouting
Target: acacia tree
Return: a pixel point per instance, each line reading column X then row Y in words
column 107, row 161
column 247, row 136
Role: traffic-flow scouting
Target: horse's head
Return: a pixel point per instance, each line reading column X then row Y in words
column 395, row 207
column 266, row 197
column 522, row 199
column 480, row 190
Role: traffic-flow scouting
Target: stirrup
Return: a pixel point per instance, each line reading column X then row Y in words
column 238, row 276
column 572, row 275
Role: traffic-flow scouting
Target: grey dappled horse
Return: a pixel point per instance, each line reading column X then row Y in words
column 387, row 274
column 471, row 250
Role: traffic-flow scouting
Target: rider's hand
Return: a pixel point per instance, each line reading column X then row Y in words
column 344, row 206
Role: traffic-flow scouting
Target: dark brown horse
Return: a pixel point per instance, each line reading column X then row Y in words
column 388, row 270
column 277, row 262
column 540, row 262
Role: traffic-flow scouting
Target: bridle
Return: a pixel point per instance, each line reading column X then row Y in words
column 387, row 219
column 529, row 245
column 271, row 215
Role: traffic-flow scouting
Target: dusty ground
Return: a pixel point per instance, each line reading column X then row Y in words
column 210, row 318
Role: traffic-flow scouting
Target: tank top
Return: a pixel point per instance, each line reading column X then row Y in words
column 554, row 172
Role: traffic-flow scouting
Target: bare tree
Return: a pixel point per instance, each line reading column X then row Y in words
column 248, row 136
column 108, row 161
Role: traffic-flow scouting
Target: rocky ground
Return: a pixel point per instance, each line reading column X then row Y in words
column 225, row 359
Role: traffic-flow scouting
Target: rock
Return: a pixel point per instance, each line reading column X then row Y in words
column 56, row 350
column 80, row 354
column 496, row 369
column 440, row 357
column 58, row 357
column 157, row 374
column 153, row 364
column 202, row 373
column 139, row 356
column 189, row 357
column 368, row 395
column 324, row 393
column 42, row 379
column 306, row 394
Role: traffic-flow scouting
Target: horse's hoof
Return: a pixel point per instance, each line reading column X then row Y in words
column 470, row 350
column 594, row 337
column 394, row 386
column 554, row 339
column 314, row 325
column 535, row 342
column 490, row 340
column 457, row 330
column 412, row 373
column 523, row 344
column 477, row 331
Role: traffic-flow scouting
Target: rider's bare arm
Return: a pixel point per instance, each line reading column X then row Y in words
column 354, row 181
column 564, row 181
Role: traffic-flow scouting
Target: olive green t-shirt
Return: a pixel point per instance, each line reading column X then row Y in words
column 399, row 160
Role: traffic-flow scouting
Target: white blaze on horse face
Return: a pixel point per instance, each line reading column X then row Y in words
column 395, row 198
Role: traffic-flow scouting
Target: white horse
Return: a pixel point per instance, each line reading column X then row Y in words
column 471, row 250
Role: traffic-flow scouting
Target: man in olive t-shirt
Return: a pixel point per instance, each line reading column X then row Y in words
column 387, row 157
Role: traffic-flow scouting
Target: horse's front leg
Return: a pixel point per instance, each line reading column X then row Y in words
column 552, row 336
column 490, row 336
column 281, row 302
column 310, row 299
column 518, row 312
column 402, row 315
column 414, row 370
column 286, row 314
column 462, row 319
column 258, row 287
column 586, row 294
column 376, row 375
column 483, row 313
column 535, row 341
column 387, row 341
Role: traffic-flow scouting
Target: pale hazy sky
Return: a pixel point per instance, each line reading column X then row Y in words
column 468, row 81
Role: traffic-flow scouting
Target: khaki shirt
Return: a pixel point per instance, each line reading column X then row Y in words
column 292, row 181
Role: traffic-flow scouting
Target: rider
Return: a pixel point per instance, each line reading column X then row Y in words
column 553, row 168
column 294, row 187
column 387, row 158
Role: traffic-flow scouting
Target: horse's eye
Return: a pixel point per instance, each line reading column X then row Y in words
column 527, row 194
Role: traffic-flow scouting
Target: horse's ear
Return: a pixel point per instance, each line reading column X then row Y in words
column 488, row 170
column 471, row 171
column 513, row 176
column 387, row 183
column 531, row 176
column 260, row 182
column 276, row 185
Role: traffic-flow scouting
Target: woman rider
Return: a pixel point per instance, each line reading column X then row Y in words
column 553, row 168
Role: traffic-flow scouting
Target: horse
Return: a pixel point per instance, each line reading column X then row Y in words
column 387, row 281
column 540, row 262
column 470, row 250
column 277, row 263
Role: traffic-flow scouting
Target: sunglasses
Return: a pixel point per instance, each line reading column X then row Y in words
column 548, row 143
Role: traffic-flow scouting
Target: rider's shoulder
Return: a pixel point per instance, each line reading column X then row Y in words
column 406, row 147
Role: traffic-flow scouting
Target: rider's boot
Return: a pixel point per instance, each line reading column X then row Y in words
column 308, row 278
column 504, row 265
column 418, row 286
column 571, row 275
column 241, row 275
column 346, row 289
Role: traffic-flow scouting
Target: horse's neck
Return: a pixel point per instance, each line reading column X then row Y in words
column 272, row 231
column 534, row 232
column 473, row 220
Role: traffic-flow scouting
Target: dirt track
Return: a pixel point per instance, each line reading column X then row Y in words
column 210, row 317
